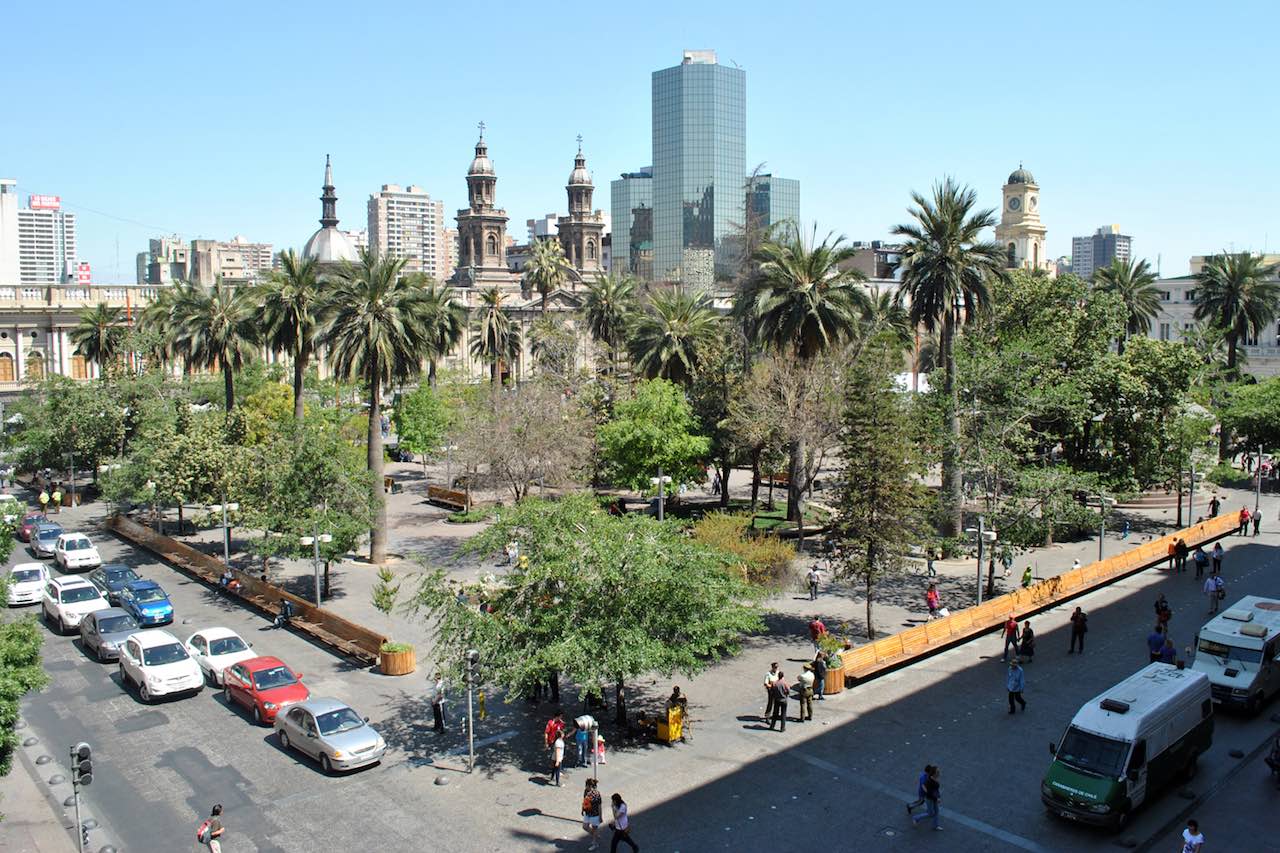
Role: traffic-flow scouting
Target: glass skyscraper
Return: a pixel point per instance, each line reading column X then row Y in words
column 631, row 206
column 699, row 168
column 774, row 200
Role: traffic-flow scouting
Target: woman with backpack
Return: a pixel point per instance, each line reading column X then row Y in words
column 210, row 832
column 591, row 810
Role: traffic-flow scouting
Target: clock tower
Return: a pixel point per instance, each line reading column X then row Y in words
column 1020, row 231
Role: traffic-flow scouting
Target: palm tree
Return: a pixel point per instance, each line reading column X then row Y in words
column 1238, row 293
column 216, row 326
column 667, row 335
column 946, row 269
column 803, row 301
column 610, row 301
column 446, row 320
column 156, row 319
column 882, row 312
column 97, row 335
column 1136, row 286
column 495, row 337
column 374, row 324
column 290, row 299
column 547, row 268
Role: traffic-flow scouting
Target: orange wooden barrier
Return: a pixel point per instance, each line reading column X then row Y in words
column 875, row 658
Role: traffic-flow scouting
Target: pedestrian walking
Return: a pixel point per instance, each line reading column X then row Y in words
column 1026, row 577
column 1124, row 531
column 820, row 675
column 1202, row 561
column 1244, row 521
column 1155, row 644
column 770, row 677
column 932, row 600
column 437, row 704
column 209, row 833
column 1016, row 682
column 1168, row 653
column 621, row 826
column 1010, row 637
column 591, row 802
column 1217, row 557
column 804, row 691
column 1006, row 560
column 1028, row 645
column 1257, row 521
column 583, row 727
column 1214, row 590
column 1075, row 564
column 929, row 568
column 1180, row 552
column 1192, row 838
column 56, row 499
column 816, row 631
column 1079, row 627
column 715, row 483
column 557, row 758
column 1163, row 613
column 44, row 501
column 932, row 797
column 814, row 577
column 554, row 726
column 781, row 689
column 1215, row 504
column 920, row 789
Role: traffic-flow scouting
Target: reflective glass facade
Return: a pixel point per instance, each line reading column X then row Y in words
column 699, row 166
column 775, row 200
column 631, row 206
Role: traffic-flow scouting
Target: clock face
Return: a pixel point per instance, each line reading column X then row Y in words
column 1015, row 203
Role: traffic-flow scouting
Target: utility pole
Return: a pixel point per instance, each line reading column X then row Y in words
column 1191, row 497
column 1257, row 494
column 473, row 657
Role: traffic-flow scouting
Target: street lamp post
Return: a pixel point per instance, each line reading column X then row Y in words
column 661, row 482
column 226, row 528
column 473, row 658
column 1257, row 494
column 984, row 535
column 1103, row 503
column 315, row 541
column 150, row 486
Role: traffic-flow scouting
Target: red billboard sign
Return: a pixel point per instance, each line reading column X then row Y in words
column 44, row 202
column 83, row 275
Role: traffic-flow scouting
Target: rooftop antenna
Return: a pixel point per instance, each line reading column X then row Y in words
column 735, row 63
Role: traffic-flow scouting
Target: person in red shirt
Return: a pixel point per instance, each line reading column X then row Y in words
column 816, row 630
column 1011, row 637
column 1244, row 521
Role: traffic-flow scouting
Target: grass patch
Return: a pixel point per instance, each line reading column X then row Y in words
column 392, row 648
column 474, row 516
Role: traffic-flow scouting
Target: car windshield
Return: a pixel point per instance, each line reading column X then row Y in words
column 120, row 575
column 343, row 720
column 226, row 646
column 77, row 544
column 81, row 593
column 48, row 533
column 1224, row 653
column 148, row 594
column 277, row 676
column 1092, row 753
column 116, row 624
column 24, row 575
column 157, row 655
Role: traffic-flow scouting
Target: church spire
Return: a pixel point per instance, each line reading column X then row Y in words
column 328, row 199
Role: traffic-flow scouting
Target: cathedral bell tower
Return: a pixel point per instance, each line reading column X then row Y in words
column 482, row 227
column 582, row 231
column 1020, row 231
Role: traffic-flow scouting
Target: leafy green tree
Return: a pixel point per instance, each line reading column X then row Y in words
column 602, row 600
column 553, row 345
column 495, row 337
column 290, row 299
column 1135, row 284
column 547, row 269
column 63, row 417
column 1252, row 414
column 804, row 301
column 666, row 335
column 653, row 433
column 446, row 322
column 216, row 327
column 947, row 270
column 717, row 379
column 610, row 302
column 879, row 493
column 20, row 668
column 265, row 412
column 98, row 335
column 422, row 423
column 375, row 326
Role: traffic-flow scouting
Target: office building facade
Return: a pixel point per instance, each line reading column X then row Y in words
column 631, row 203
column 1099, row 249
column 406, row 223
column 773, row 201
column 9, row 267
column 46, row 242
column 699, row 167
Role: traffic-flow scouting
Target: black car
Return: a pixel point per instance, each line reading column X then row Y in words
column 111, row 578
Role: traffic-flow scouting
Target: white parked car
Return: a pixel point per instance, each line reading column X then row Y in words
column 74, row 552
column 26, row 583
column 66, row 601
column 159, row 665
column 11, row 509
column 215, row 649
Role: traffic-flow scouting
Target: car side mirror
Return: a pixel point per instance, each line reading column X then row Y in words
column 299, row 675
column 311, row 734
column 366, row 719
column 1053, row 748
column 1132, row 775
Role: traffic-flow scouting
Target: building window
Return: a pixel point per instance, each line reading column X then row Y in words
column 591, row 250
column 35, row 366
column 1164, row 331
column 79, row 367
column 6, row 367
column 1165, row 295
column 1191, row 295
column 491, row 245
column 1013, row 253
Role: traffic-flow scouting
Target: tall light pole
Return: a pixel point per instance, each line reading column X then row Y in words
column 983, row 536
column 661, row 482
column 1103, row 503
column 224, row 508
column 315, row 541
column 473, row 657
column 1257, row 494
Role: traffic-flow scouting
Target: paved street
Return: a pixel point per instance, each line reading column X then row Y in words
column 838, row 782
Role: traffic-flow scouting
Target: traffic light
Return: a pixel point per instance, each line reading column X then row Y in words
column 84, row 836
column 82, row 764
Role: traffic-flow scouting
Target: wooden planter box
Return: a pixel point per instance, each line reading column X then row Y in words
column 397, row 663
column 834, row 682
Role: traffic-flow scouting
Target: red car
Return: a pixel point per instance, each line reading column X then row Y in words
column 28, row 524
column 264, row 686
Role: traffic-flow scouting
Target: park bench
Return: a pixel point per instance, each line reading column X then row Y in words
column 448, row 498
column 779, row 479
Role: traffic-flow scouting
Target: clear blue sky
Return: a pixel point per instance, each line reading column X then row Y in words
column 214, row 120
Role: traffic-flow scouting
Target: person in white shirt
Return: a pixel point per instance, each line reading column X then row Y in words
column 1213, row 588
column 1192, row 838
column 621, row 826
column 770, row 677
column 815, row 577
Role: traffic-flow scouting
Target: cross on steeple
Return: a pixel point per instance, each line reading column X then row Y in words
column 579, row 143
column 481, row 130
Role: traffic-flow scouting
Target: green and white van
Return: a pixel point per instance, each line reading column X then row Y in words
column 1127, row 743
column 1239, row 649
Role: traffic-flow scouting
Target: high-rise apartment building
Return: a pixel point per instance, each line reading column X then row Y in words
column 1099, row 249
column 203, row 261
column 699, row 166
column 406, row 223
column 9, row 268
column 46, row 241
column 258, row 259
column 631, row 200
column 449, row 260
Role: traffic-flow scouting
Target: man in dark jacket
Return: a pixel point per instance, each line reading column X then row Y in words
column 819, row 674
column 781, row 690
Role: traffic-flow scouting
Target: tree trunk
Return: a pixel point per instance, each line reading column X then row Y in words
column 431, row 372
column 324, row 593
column 1224, row 435
column 952, row 499
column 182, row 525
column 299, row 370
column 871, row 562
column 378, row 534
column 229, row 385
column 619, row 703
column 725, row 470
column 755, row 478
column 795, row 471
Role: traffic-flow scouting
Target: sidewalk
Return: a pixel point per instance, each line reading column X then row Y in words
column 30, row 823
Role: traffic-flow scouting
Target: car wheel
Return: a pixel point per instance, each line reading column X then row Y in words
column 284, row 739
column 325, row 764
column 124, row 677
column 1254, row 704
column 102, row 658
column 226, row 694
column 144, row 694
column 257, row 716
column 62, row 626
column 1193, row 764
column 1122, row 820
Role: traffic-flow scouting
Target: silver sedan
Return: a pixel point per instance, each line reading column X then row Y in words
column 332, row 733
column 104, row 631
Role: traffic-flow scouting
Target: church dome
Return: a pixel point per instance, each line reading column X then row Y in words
column 580, row 175
column 329, row 246
column 1021, row 176
column 481, row 165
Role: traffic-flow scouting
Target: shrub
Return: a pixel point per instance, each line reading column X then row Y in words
column 471, row 517
column 392, row 648
column 762, row 559
column 1226, row 474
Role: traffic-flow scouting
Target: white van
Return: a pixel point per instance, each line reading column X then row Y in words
column 1127, row 743
column 1239, row 649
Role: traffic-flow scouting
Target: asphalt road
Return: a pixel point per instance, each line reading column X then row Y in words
column 837, row 783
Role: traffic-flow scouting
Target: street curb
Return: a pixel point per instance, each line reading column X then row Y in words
column 57, row 812
column 1178, row 820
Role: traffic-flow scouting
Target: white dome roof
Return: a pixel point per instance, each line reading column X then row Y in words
column 329, row 246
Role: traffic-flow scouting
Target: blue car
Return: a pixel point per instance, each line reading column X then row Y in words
column 112, row 578
column 146, row 602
